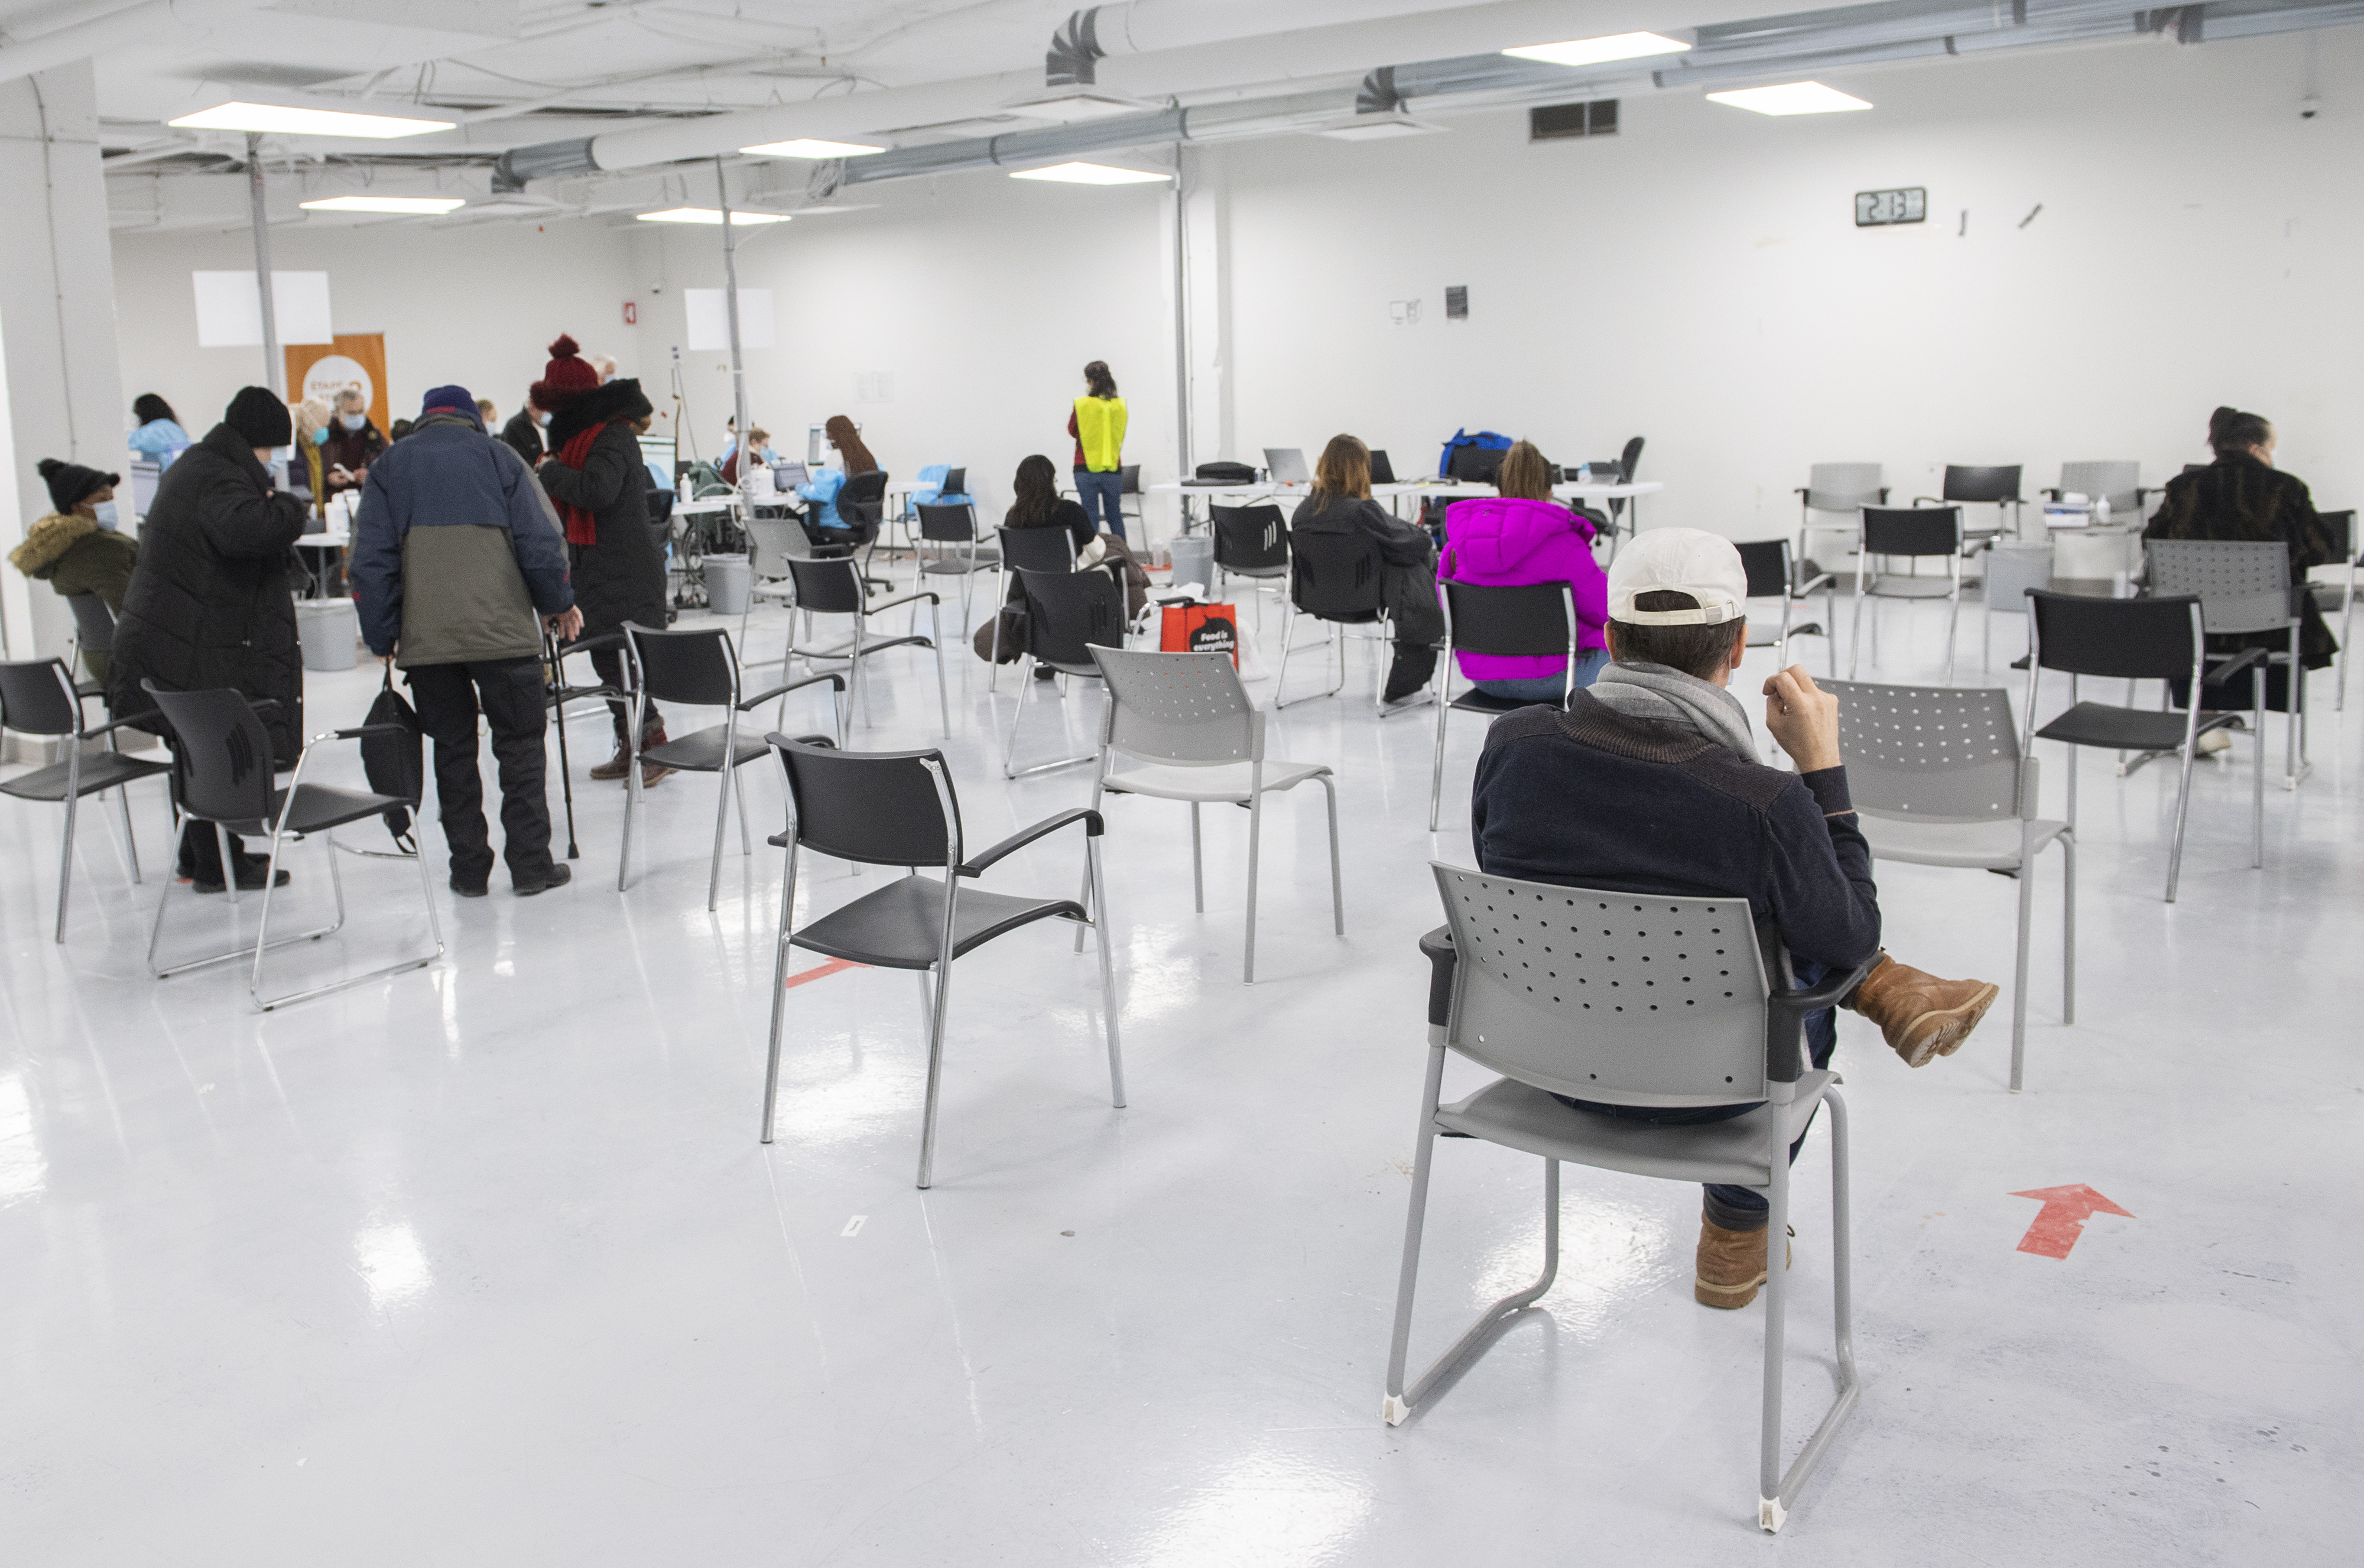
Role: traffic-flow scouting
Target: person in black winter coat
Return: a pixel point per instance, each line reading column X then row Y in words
column 523, row 432
column 1342, row 504
column 595, row 473
column 209, row 603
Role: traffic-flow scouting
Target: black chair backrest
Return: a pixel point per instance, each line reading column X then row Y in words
column 94, row 623
column 878, row 808
column 1982, row 483
column 1911, row 530
column 1250, row 537
column 224, row 758
column 1038, row 549
column 2130, row 640
column 1131, row 474
column 955, row 483
column 947, row 525
column 863, row 497
column 829, row 587
column 1631, row 460
column 37, row 697
column 2197, row 467
column 1335, row 574
column 1534, row 620
column 1067, row 612
column 1767, row 561
column 693, row 665
column 2341, row 526
column 1476, row 465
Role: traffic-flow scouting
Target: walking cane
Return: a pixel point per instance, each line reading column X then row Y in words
column 554, row 687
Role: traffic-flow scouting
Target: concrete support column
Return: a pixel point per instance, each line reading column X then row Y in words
column 60, row 376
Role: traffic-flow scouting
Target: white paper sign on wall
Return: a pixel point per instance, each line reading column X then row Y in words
column 230, row 310
column 710, row 319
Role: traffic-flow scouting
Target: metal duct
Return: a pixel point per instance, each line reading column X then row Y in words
column 1212, row 122
column 543, row 161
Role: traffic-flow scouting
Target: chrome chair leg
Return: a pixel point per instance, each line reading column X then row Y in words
column 1097, row 908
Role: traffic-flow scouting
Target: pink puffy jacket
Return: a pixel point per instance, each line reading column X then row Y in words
column 1504, row 544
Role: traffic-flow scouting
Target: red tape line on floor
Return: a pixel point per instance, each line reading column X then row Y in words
column 822, row 972
column 2062, row 1219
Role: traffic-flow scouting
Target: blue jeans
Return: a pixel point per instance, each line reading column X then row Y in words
column 1103, row 499
column 1548, row 688
column 1735, row 1208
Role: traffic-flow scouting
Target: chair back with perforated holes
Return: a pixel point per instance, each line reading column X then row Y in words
column 1620, row 997
column 1929, row 753
column 2244, row 585
column 1176, row 708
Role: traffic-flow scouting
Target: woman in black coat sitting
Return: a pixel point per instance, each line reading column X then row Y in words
column 2242, row 495
column 209, row 603
column 1342, row 504
column 595, row 473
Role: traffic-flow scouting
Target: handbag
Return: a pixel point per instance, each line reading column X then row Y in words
column 1200, row 629
column 396, row 765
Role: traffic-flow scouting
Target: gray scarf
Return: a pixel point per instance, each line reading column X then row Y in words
column 1666, row 696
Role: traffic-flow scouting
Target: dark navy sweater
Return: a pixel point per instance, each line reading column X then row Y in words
column 1591, row 798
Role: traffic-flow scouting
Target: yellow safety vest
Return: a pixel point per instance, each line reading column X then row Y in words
column 1099, row 430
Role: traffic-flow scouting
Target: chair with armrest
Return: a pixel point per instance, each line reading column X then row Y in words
column 833, row 587
column 898, row 808
column 1542, row 985
column 1532, row 620
column 2117, row 482
column 1068, row 616
column 226, row 778
column 1024, row 550
column 1772, row 574
column 2341, row 597
column 1337, row 579
column 1909, row 533
column 1968, row 486
column 1251, row 542
column 951, row 528
column 38, row 698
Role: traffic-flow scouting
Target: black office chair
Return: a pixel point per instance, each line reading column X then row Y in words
column 1024, row 550
column 1252, row 542
column 1912, row 533
column 1336, row 578
column 1629, row 462
column 862, row 507
column 898, row 808
column 1773, row 575
column 1535, row 620
column 832, row 587
column 1997, row 487
column 38, row 698
column 2139, row 639
column 1066, row 614
column 695, row 667
column 223, row 762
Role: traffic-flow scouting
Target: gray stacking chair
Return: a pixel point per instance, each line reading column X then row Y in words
column 958, row 553
column 2340, row 597
column 224, row 763
column 1772, row 574
column 1186, row 718
column 771, row 541
column 2139, row 639
column 1535, row 620
column 1845, row 487
column 1544, row 985
column 897, row 809
column 1912, row 533
column 2243, row 586
column 694, row 667
column 2116, row 481
column 1938, row 779
column 2010, row 571
column 38, row 698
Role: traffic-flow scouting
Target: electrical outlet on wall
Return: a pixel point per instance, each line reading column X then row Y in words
column 1404, row 312
column 874, row 387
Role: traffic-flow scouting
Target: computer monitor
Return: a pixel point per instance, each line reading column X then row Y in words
column 1287, row 465
column 1476, row 465
column 658, row 450
column 1382, row 471
column 144, row 476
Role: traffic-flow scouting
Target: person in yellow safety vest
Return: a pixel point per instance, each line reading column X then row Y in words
column 1097, row 424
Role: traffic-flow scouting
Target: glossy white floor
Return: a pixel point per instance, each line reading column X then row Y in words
column 484, row 1264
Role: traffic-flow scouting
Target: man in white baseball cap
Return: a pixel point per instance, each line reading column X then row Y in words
column 1649, row 782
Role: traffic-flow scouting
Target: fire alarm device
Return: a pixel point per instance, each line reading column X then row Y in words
column 631, row 313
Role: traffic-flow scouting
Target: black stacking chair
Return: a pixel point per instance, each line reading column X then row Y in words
column 1129, row 475
column 953, row 529
column 832, row 588
column 1025, row 549
column 93, row 633
column 1969, row 485
column 2139, row 639
column 1912, row 533
column 695, row 667
column 38, row 697
column 1252, row 542
column 1773, row 575
column 1067, row 614
column 898, row 808
column 224, row 763
column 1334, row 578
column 1536, row 621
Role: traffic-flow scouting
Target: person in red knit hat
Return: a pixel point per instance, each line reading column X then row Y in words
column 594, row 472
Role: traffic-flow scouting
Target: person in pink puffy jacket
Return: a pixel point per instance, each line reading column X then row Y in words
column 1526, row 537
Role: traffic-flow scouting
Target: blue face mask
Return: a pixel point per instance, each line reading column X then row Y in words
column 104, row 514
column 320, row 436
column 352, row 421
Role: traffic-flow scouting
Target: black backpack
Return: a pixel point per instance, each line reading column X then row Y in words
column 1226, row 473
column 396, row 765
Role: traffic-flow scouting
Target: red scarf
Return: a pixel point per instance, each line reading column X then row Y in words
column 582, row 524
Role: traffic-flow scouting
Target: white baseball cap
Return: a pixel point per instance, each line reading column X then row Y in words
column 1679, row 561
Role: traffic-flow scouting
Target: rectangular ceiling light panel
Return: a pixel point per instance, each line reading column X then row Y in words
column 1791, row 98
column 433, row 205
column 272, row 119
column 808, row 147
column 712, row 216
column 1600, row 51
column 1067, row 108
column 1089, row 174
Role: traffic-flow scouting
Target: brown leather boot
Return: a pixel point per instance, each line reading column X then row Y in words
column 1731, row 1266
column 653, row 773
column 1923, row 1018
column 615, row 767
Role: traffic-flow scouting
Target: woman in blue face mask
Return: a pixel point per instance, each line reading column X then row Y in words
column 76, row 550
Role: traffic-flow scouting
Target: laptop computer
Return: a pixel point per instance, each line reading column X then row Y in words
column 1287, row 465
column 1382, row 471
column 789, row 476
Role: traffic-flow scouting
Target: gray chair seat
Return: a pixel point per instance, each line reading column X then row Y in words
column 2128, row 728
column 1522, row 1117
column 701, row 753
column 1903, row 587
column 959, row 565
column 100, row 770
column 901, row 925
column 1978, row 846
column 1227, row 781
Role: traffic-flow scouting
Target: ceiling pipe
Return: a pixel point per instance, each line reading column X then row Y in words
column 177, row 24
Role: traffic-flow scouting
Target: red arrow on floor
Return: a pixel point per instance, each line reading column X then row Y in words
column 2062, row 1218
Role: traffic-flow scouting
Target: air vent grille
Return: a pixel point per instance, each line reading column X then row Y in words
column 1556, row 122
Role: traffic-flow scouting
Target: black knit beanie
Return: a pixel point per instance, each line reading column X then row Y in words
column 69, row 483
column 258, row 417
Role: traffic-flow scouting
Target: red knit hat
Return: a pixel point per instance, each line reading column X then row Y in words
column 566, row 378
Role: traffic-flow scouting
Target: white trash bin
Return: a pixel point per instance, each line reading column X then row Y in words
column 329, row 629
column 1194, row 562
column 729, row 579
